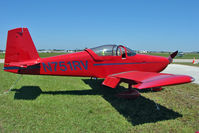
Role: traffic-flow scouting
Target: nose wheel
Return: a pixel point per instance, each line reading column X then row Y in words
column 130, row 94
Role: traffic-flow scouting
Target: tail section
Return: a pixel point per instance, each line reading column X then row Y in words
column 20, row 46
column 20, row 50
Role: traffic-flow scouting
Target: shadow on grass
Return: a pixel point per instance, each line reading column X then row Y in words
column 139, row 111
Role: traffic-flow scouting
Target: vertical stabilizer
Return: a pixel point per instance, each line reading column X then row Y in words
column 20, row 46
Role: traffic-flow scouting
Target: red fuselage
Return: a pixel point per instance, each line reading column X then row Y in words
column 87, row 64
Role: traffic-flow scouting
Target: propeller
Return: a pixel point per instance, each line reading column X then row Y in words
column 173, row 55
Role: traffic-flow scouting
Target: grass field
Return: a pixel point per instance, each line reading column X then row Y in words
column 185, row 56
column 69, row 104
column 2, row 55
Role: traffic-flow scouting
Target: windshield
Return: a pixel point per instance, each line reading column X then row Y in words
column 112, row 50
column 130, row 52
column 105, row 50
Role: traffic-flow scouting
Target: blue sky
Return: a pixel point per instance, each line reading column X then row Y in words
column 139, row 24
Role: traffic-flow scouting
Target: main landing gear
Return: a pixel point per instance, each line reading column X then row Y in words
column 157, row 88
column 130, row 94
column 95, row 78
column 134, row 94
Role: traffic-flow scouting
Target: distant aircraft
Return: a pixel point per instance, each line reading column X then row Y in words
column 115, row 63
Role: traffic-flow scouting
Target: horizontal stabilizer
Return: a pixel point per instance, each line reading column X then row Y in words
column 24, row 64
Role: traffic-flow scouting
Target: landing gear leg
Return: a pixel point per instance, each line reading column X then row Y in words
column 93, row 78
column 130, row 94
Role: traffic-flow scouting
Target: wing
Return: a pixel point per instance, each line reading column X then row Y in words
column 142, row 80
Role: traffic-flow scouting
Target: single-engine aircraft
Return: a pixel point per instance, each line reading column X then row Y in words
column 114, row 63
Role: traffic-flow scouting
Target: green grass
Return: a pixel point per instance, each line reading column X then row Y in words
column 185, row 56
column 2, row 55
column 159, row 54
column 69, row 104
column 43, row 55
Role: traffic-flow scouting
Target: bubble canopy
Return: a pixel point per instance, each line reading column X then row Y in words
column 113, row 50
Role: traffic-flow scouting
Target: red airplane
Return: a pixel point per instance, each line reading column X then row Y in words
column 114, row 63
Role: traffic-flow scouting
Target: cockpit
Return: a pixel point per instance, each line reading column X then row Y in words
column 113, row 50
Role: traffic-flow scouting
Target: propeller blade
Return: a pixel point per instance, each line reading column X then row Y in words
column 173, row 55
